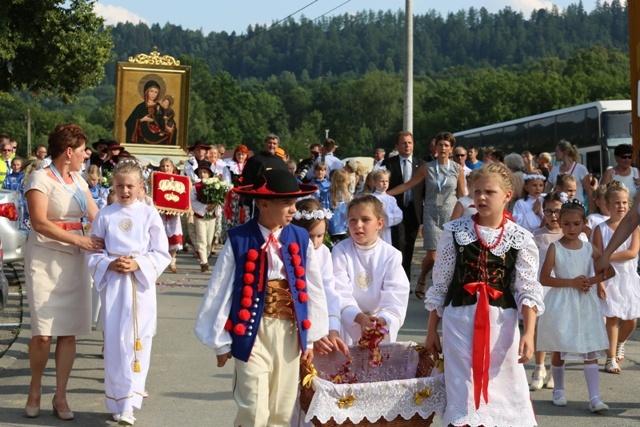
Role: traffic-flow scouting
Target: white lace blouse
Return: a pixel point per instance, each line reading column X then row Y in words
column 526, row 288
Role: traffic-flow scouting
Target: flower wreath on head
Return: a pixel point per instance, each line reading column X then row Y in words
column 530, row 176
column 315, row 214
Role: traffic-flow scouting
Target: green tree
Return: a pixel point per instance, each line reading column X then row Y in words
column 52, row 47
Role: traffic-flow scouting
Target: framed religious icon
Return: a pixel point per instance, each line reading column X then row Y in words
column 152, row 101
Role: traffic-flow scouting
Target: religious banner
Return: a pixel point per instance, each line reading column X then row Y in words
column 152, row 107
column 171, row 194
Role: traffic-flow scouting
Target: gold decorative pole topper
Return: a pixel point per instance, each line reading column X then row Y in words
column 153, row 58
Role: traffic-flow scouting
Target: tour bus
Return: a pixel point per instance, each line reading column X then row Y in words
column 594, row 128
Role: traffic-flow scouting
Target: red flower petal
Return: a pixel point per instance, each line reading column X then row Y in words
column 247, row 291
column 248, row 279
column 244, row 315
column 303, row 297
column 299, row 271
column 252, row 255
column 296, row 260
column 249, row 267
column 245, row 302
column 300, row 284
column 228, row 326
column 239, row 329
column 306, row 324
column 294, row 248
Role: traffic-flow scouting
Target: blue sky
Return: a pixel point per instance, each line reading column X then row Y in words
column 237, row 15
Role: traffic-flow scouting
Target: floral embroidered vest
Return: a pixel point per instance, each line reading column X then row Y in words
column 499, row 272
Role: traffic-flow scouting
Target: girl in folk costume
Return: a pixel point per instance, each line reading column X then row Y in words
column 572, row 323
column 392, row 213
column 219, row 169
column 234, row 211
column 172, row 225
column 528, row 211
column 265, row 304
column 486, row 382
column 622, row 305
column 372, row 284
column 125, row 274
column 204, row 216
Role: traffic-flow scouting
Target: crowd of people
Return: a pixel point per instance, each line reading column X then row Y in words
column 326, row 248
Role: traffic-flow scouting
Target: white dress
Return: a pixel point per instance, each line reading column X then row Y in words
column 595, row 219
column 623, row 290
column 572, row 320
column 135, row 230
column 370, row 280
column 392, row 215
column 509, row 400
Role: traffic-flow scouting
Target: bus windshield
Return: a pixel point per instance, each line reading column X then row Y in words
column 616, row 127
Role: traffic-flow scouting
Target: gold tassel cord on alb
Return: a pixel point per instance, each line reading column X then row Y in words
column 137, row 344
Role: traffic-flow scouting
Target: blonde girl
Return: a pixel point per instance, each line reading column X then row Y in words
column 312, row 217
column 476, row 257
column 135, row 254
column 543, row 237
column 172, row 225
column 528, row 211
column 464, row 206
column 572, row 322
column 601, row 213
column 98, row 191
column 339, row 197
column 392, row 213
column 369, row 277
column 567, row 153
column 622, row 305
column 567, row 184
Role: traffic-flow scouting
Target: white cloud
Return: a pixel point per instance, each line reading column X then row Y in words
column 529, row 5
column 114, row 14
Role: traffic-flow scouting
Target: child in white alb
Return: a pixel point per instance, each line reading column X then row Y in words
column 369, row 275
column 528, row 211
column 392, row 213
column 125, row 274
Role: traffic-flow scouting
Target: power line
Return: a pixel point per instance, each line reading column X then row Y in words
column 270, row 26
column 297, row 29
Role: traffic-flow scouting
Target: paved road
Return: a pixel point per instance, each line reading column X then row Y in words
column 186, row 389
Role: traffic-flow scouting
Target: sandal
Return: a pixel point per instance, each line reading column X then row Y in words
column 611, row 366
column 420, row 290
column 620, row 352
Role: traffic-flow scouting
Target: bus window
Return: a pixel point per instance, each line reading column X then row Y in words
column 515, row 139
column 616, row 127
column 541, row 135
column 593, row 163
column 570, row 126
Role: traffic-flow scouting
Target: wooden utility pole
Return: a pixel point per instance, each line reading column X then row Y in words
column 408, row 69
column 633, row 7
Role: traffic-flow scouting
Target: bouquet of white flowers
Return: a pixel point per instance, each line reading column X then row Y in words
column 214, row 193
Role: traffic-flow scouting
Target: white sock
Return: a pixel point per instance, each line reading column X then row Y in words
column 591, row 375
column 558, row 378
column 540, row 367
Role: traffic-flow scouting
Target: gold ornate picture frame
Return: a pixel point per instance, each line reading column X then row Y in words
column 152, row 102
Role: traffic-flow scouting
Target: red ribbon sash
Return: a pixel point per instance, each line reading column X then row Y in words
column 263, row 259
column 481, row 338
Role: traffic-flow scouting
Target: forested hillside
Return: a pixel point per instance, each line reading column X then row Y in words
column 369, row 41
column 344, row 74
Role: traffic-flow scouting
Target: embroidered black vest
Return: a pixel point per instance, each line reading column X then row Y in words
column 499, row 274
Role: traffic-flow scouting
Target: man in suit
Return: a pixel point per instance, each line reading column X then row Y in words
column 403, row 235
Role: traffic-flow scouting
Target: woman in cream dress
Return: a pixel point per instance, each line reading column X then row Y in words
column 56, row 276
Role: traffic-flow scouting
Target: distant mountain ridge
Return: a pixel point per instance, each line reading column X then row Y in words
column 368, row 40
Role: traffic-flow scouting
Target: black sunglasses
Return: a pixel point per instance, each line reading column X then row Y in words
column 460, row 155
column 627, row 156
